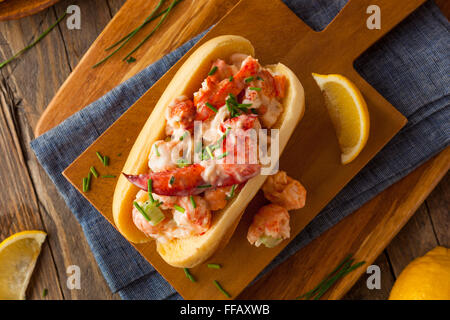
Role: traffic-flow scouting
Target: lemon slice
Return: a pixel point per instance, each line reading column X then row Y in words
column 18, row 256
column 348, row 112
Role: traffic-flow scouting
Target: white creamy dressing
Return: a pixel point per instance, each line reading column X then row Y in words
column 211, row 128
column 162, row 159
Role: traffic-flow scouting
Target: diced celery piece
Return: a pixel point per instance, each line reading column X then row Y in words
column 269, row 242
column 153, row 212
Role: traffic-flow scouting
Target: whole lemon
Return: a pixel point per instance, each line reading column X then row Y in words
column 425, row 278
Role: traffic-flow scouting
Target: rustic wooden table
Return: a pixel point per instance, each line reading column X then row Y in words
column 30, row 200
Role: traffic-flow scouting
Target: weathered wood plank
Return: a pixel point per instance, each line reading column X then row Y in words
column 20, row 207
column 438, row 204
column 34, row 89
column 414, row 240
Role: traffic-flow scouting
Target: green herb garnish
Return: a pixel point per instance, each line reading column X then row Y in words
column 100, row 157
column 249, row 79
column 183, row 136
column 108, row 176
column 214, row 266
column 106, row 161
column 205, row 186
column 181, row 163
column 259, row 78
column 125, row 40
column 340, row 271
column 94, row 172
column 209, row 105
column 230, row 79
column 153, row 31
column 150, row 190
column 157, row 151
column 88, row 182
column 141, row 211
column 84, row 184
column 131, row 60
column 223, row 155
column 44, row 292
column 217, row 284
column 255, row 88
column 189, row 275
column 209, row 151
column 213, row 70
column 178, row 208
column 39, row 38
column 231, row 195
column 149, row 19
column 172, row 180
column 194, row 205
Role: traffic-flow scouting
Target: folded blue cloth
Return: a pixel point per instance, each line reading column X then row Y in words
column 409, row 67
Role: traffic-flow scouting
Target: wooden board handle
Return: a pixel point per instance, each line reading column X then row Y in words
column 349, row 28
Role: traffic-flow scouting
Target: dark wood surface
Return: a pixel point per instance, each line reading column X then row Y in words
column 31, row 201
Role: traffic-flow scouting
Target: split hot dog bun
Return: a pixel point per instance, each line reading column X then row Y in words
column 192, row 251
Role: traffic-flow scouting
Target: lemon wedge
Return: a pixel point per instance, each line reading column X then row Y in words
column 348, row 113
column 18, row 256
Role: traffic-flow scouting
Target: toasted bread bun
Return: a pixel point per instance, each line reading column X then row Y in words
column 192, row 251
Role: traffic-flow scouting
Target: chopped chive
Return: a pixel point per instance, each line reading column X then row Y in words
column 189, row 275
column 255, row 88
column 131, row 60
column 223, row 155
column 230, row 79
column 172, row 180
column 44, row 292
column 157, row 151
column 88, row 183
column 126, row 39
column 94, row 172
column 340, row 271
column 249, row 79
column 213, row 70
column 205, row 186
column 150, row 190
column 217, row 284
column 100, row 157
column 108, row 176
column 39, row 38
column 254, row 111
column 119, row 154
column 178, row 208
column 159, row 203
column 139, row 208
column 214, row 266
column 106, row 161
column 181, row 163
column 209, row 105
column 161, row 21
column 194, row 205
column 183, row 136
column 210, row 154
column 231, row 195
column 85, row 184
column 259, row 78
column 149, row 19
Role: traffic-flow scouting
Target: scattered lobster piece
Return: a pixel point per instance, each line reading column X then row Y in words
column 215, row 93
column 189, row 180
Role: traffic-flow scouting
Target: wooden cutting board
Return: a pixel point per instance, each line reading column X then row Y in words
column 16, row 9
column 312, row 154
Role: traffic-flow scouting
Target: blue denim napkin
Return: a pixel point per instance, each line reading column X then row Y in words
column 409, row 67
